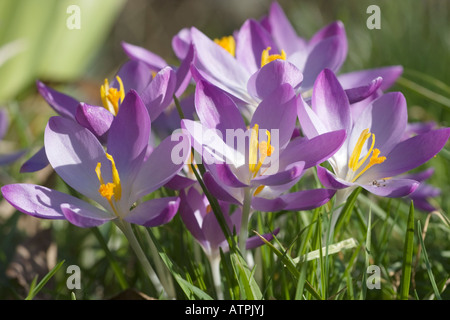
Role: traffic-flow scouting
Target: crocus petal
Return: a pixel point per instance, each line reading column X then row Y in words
column 85, row 216
column 312, row 151
column 218, row 66
column 224, row 174
column 97, row 119
column 310, row 123
column 74, row 152
column 37, row 162
column 291, row 173
column 295, row 201
column 330, row 103
column 63, row 104
column 283, row 32
column 159, row 93
column 268, row 78
column 252, row 39
column 410, row 154
column 134, row 74
column 222, row 192
column 154, row 212
column 129, row 135
column 42, row 202
column 161, row 167
column 256, row 241
column 192, row 212
column 179, row 182
column 181, row 42
column 392, row 188
column 420, row 176
column 329, row 180
column 4, row 123
column 357, row 94
column 183, row 73
column 277, row 112
column 329, row 50
column 152, row 60
column 6, row 159
column 215, row 109
column 355, row 78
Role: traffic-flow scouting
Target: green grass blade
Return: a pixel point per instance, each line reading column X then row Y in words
column 247, row 281
column 367, row 255
column 427, row 93
column 408, row 249
column 427, row 262
column 35, row 289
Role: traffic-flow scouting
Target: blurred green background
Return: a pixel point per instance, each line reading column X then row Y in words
column 35, row 43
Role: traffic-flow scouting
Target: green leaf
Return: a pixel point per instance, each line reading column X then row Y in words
column 247, row 281
column 407, row 255
column 35, row 289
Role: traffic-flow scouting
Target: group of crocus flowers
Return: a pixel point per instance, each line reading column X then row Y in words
column 239, row 120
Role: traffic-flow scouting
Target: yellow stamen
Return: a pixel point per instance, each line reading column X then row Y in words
column 111, row 188
column 266, row 58
column 258, row 190
column 111, row 96
column 374, row 159
column 265, row 150
column 353, row 161
column 228, row 44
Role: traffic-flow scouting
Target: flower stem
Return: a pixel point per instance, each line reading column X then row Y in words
column 215, row 270
column 243, row 234
column 125, row 227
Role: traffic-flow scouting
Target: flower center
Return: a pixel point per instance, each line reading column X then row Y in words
column 355, row 164
column 228, row 44
column 110, row 189
column 111, row 96
column 266, row 57
column 264, row 148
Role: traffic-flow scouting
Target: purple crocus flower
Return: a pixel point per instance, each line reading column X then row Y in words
column 155, row 91
column 116, row 179
column 327, row 49
column 375, row 151
column 6, row 159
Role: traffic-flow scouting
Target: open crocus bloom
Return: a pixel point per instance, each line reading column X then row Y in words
column 375, row 151
column 267, row 163
column 327, row 49
column 116, row 180
column 201, row 222
column 155, row 90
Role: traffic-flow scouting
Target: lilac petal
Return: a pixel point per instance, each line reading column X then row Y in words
column 153, row 61
column 64, row 105
column 292, row 172
column 277, row 112
column 311, row 125
column 329, row 180
column 212, row 230
column 37, row 162
column 215, row 109
column 44, row 203
column 183, row 73
column 192, row 212
column 223, row 174
column 329, row 53
column 129, row 134
column 252, row 39
column 85, row 216
column 134, row 74
column 222, row 192
column 74, row 152
column 422, row 204
column 313, row 151
column 354, row 79
column 268, row 78
column 330, row 102
column 256, row 241
column 181, row 42
column 97, row 119
column 218, row 66
column 295, row 201
column 420, row 176
column 4, row 123
column 334, row 29
column 283, row 32
column 386, row 117
column 410, row 154
column 392, row 188
column 159, row 93
column 160, row 167
column 360, row 93
column 179, row 182
column 154, row 212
